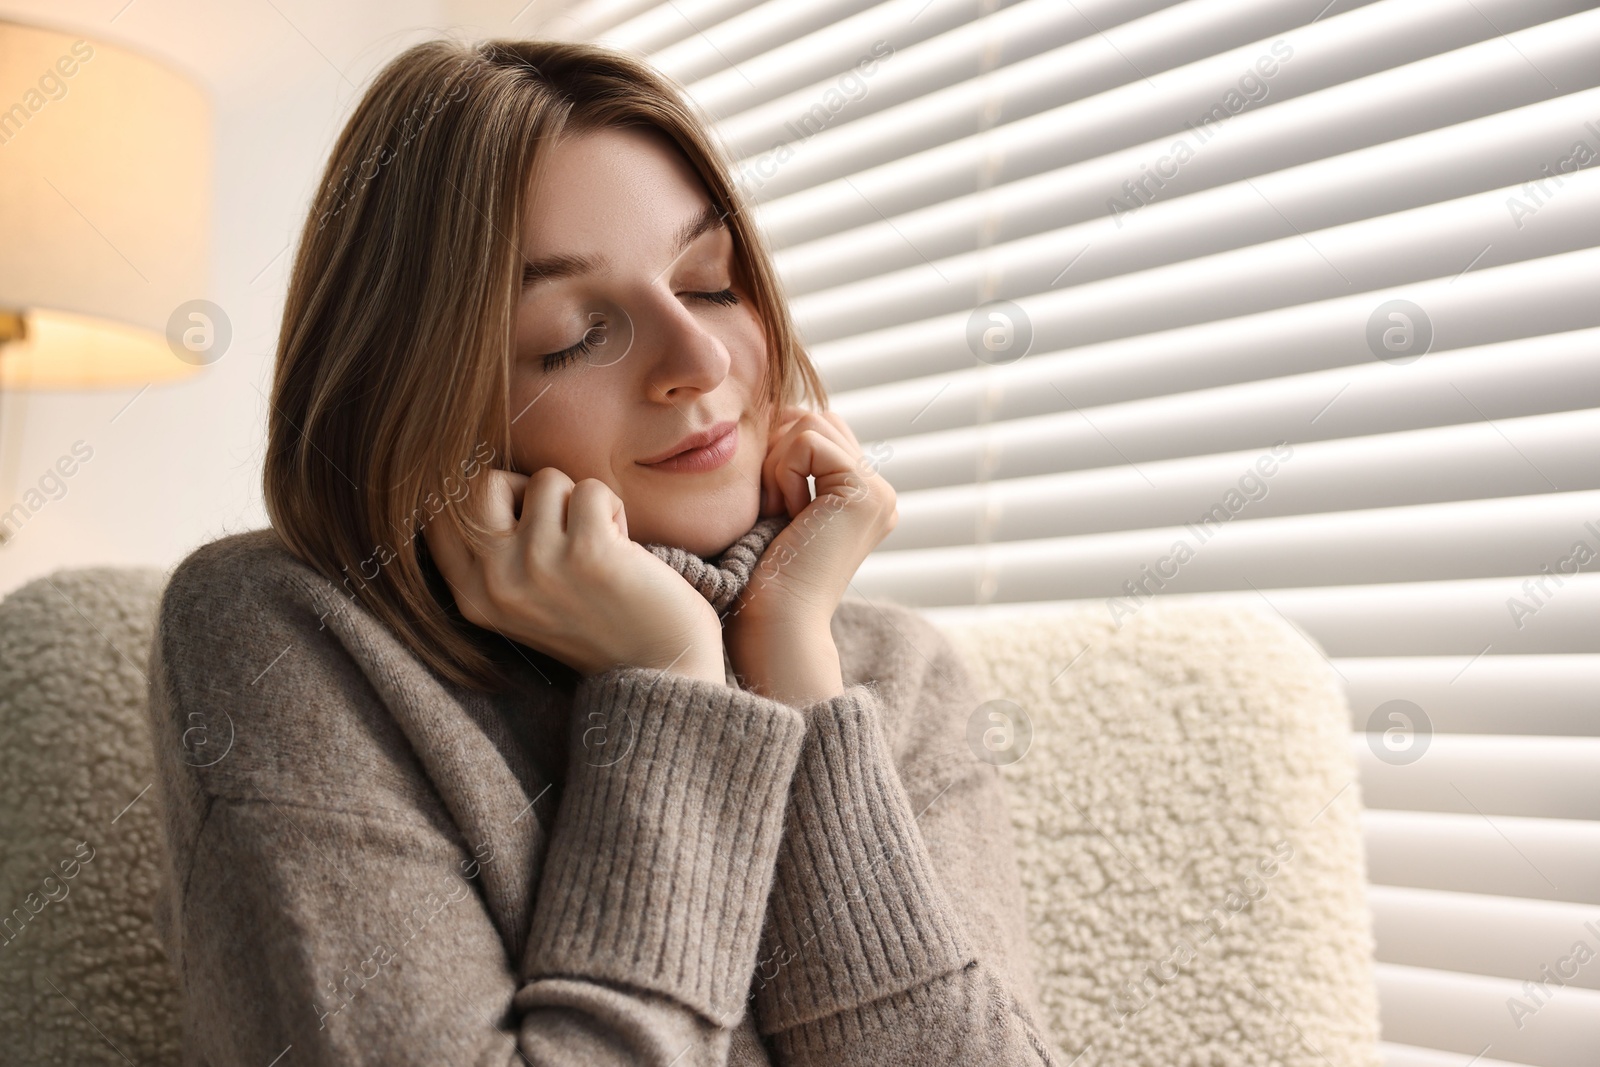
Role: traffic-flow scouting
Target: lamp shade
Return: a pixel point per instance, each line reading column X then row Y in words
column 105, row 193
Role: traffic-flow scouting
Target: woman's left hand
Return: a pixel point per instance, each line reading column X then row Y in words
column 779, row 637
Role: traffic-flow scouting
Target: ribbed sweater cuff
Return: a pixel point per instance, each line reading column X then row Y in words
column 856, row 913
column 664, row 846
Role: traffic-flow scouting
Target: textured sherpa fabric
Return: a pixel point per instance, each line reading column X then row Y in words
column 83, row 979
column 1187, row 818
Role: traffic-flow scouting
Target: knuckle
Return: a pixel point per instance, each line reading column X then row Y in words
column 551, row 476
column 498, row 483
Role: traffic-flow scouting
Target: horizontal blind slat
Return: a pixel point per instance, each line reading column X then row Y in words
column 1420, row 542
column 1395, row 1054
column 1340, row 389
column 1502, row 937
column 1502, row 694
column 1468, row 619
column 1507, row 458
column 1544, row 859
column 1537, row 777
column 1488, row 456
column 1466, row 1013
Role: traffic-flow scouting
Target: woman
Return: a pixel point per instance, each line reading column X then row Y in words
column 455, row 768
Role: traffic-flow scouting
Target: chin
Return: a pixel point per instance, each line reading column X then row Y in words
column 703, row 527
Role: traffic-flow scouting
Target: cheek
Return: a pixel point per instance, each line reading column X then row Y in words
column 750, row 334
column 537, row 422
column 557, row 423
column 747, row 352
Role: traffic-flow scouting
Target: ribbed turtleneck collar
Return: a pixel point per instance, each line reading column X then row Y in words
column 721, row 578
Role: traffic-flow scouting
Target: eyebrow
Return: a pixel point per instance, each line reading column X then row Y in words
column 553, row 268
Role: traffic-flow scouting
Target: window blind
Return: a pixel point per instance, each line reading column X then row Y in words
column 1309, row 287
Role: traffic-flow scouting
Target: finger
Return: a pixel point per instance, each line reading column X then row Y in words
column 790, row 483
column 813, row 454
column 497, row 503
column 773, row 496
column 783, row 436
column 785, row 497
column 771, row 499
column 595, row 512
column 828, row 423
column 544, row 506
column 493, row 503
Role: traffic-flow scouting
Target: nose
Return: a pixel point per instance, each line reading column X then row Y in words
column 682, row 357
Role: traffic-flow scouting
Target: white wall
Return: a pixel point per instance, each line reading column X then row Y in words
column 181, row 464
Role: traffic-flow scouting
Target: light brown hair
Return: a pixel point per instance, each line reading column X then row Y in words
column 390, row 395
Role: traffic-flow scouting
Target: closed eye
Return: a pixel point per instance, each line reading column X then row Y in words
column 725, row 297
column 556, row 360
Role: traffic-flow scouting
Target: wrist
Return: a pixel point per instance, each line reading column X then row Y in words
column 702, row 657
column 797, row 668
column 764, row 619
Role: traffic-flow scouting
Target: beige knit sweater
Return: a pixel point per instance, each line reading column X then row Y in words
column 370, row 865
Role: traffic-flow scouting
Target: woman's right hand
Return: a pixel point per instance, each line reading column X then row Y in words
column 561, row 576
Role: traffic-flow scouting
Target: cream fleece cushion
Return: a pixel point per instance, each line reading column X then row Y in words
column 83, row 979
column 1188, row 829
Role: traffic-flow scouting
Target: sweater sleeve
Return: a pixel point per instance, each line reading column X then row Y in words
column 871, row 954
column 315, row 935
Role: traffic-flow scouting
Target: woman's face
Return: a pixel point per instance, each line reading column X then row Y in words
column 670, row 350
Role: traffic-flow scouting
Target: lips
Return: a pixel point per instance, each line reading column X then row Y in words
column 699, row 439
